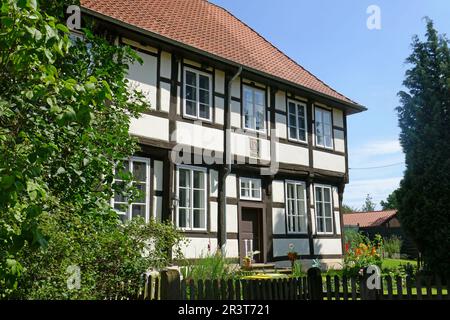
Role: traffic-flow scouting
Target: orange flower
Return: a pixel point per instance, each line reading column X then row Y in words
column 358, row 251
column 374, row 251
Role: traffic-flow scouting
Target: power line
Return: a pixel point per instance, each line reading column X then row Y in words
column 378, row 167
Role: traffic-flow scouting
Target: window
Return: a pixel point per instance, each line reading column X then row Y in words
column 140, row 168
column 297, row 121
column 250, row 189
column 323, row 209
column 197, row 94
column 254, row 109
column 323, row 128
column 191, row 193
column 296, row 207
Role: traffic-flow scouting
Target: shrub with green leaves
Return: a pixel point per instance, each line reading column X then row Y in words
column 106, row 253
column 65, row 110
column 361, row 252
column 208, row 266
column 392, row 246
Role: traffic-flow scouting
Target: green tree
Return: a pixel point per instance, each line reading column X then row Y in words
column 391, row 201
column 369, row 205
column 65, row 109
column 424, row 120
column 348, row 209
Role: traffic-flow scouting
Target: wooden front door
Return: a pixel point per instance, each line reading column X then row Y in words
column 251, row 233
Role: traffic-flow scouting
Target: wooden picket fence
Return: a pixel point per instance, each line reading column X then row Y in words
column 314, row 286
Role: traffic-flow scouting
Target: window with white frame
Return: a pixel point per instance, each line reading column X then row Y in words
column 296, row 207
column 297, row 121
column 250, row 189
column 324, row 128
column 254, row 109
column 140, row 169
column 191, row 192
column 324, row 209
column 197, row 94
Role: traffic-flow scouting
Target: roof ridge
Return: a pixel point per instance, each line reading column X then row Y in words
column 280, row 51
column 374, row 211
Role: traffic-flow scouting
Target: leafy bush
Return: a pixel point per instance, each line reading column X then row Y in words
column 65, row 110
column 297, row 269
column 106, row 252
column 392, row 246
column 209, row 266
column 360, row 252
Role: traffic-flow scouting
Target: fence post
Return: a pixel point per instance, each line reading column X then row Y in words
column 315, row 284
column 170, row 285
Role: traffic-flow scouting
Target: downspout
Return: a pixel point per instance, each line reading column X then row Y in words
column 227, row 166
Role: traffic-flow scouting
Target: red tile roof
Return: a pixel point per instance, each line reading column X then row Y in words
column 368, row 219
column 211, row 29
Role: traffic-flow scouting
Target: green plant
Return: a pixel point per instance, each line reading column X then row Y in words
column 65, row 111
column 361, row 252
column 209, row 266
column 106, row 252
column 297, row 270
column 392, row 246
column 424, row 119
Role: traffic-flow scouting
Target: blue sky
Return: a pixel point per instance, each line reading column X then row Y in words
column 331, row 40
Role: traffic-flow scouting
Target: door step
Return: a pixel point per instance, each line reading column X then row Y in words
column 262, row 266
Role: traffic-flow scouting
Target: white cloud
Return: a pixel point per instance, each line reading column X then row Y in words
column 356, row 191
column 378, row 148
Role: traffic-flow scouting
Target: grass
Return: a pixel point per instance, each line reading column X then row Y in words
column 393, row 263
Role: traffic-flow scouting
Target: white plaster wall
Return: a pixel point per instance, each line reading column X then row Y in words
column 264, row 150
column 339, row 141
column 301, row 98
column 337, row 220
column 220, row 81
column 179, row 100
column 232, row 218
column 192, row 63
column 338, row 118
column 219, row 109
column 149, row 126
column 197, row 247
column 280, row 100
column 158, row 175
column 236, row 88
column 328, row 161
column 281, row 246
column 235, row 114
column 327, row 246
column 231, row 186
column 232, row 248
column 165, row 96
column 278, row 191
column 214, row 183
column 280, row 125
column 199, row 136
column 287, row 153
column 138, row 45
column 213, row 212
column 166, row 64
column 240, row 146
column 143, row 77
column 157, row 208
column 278, row 221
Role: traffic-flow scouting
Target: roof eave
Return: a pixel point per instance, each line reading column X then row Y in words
column 352, row 108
